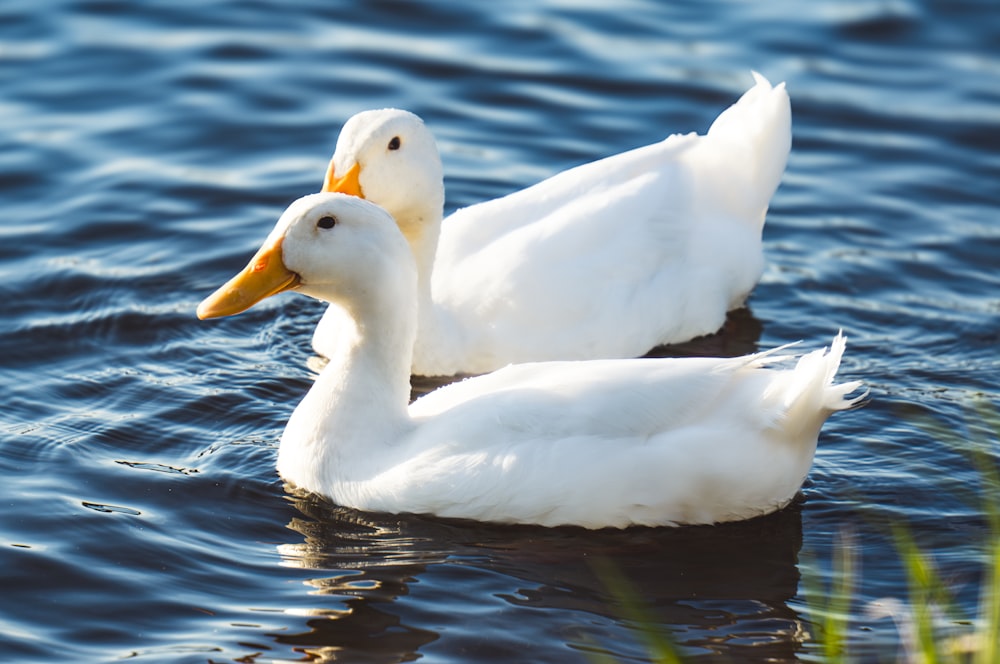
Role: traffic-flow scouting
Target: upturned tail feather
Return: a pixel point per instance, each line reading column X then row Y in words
column 806, row 395
column 757, row 129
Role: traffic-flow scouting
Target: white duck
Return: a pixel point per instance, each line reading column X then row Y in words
column 647, row 247
column 602, row 443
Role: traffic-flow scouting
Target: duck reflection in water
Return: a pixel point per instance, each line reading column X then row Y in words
column 383, row 583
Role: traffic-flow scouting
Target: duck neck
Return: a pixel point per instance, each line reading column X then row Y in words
column 371, row 371
column 422, row 230
column 359, row 401
column 421, row 225
column 423, row 243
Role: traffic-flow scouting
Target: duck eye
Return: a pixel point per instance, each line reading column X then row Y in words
column 394, row 143
column 326, row 222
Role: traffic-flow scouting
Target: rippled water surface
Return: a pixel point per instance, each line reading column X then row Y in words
column 147, row 148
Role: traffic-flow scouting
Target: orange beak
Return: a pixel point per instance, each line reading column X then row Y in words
column 264, row 276
column 348, row 184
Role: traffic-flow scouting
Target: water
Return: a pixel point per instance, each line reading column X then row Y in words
column 145, row 151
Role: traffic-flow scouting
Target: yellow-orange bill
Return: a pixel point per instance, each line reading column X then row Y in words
column 347, row 184
column 264, row 276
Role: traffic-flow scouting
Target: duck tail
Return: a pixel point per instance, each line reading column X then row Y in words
column 807, row 395
column 755, row 136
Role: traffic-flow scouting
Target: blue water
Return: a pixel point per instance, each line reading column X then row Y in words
column 147, row 148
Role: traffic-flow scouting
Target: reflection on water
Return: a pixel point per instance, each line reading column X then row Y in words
column 721, row 590
column 367, row 567
column 739, row 335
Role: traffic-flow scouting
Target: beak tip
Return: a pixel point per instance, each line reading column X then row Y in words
column 266, row 275
column 216, row 305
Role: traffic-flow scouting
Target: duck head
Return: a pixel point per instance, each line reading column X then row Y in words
column 331, row 246
column 389, row 157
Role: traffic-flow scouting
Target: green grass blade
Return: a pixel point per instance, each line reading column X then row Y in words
column 659, row 645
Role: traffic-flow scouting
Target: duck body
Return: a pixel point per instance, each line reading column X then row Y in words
column 596, row 444
column 643, row 248
column 604, row 443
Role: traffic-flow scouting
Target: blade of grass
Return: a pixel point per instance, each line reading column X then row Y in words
column 658, row 643
column 829, row 605
column 924, row 588
column 988, row 632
